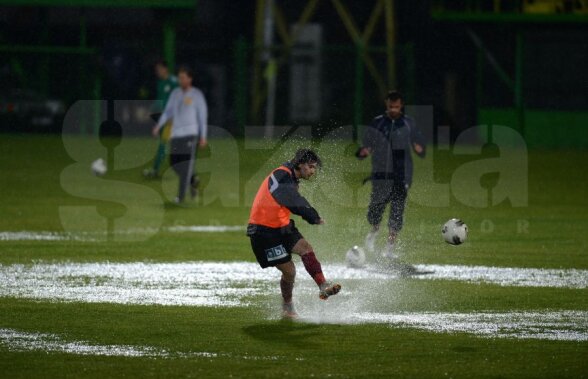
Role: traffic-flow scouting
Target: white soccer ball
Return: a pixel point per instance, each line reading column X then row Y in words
column 455, row 231
column 355, row 257
column 99, row 167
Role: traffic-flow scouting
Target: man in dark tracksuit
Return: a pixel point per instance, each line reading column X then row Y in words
column 390, row 139
column 274, row 237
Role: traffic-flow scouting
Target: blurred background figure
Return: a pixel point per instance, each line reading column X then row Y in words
column 188, row 110
column 166, row 83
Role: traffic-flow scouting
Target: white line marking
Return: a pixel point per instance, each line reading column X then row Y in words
column 21, row 341
column 206, row 228
column 33, row 236
column 28, row 235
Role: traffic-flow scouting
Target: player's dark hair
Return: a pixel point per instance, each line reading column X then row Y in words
column 186, row 70
column 394, row 96
column 161, row 62
column 305, row 156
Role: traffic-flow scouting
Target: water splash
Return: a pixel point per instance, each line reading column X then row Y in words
column 236, row 284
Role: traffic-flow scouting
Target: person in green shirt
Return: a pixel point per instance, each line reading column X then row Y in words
column 166, row 83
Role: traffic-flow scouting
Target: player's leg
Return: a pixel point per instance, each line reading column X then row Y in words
column 174, row 153
column 314, row 269
column 153, row 172
column 188, row 170
column 164, row 134
column 194, row 179
column 379, row 199
column 194, row 184
column 395, row 221
column 182, row 162
column 287, row 280
column 159, row 157
column 270, row 251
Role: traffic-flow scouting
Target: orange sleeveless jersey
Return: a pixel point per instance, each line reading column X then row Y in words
column 266, row 210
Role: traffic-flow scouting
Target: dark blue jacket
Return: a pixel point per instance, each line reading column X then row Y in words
column 391, row 142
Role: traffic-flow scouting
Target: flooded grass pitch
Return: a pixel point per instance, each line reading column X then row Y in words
column 511, row 302
column 244, row 284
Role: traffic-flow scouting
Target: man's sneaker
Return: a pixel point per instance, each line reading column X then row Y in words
column 288, row 311
column 370, row 241
column 328, row 289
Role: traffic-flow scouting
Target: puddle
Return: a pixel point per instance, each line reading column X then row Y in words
column 559, row 325
column 233, row 284
column 226, row 284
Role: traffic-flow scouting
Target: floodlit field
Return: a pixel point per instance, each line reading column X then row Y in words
column 105, row 277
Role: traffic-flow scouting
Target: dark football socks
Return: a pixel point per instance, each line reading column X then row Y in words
column 313, row 267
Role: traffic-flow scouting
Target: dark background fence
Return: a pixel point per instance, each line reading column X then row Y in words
column 520, row 64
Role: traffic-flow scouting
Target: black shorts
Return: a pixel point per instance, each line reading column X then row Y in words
column 274, row 246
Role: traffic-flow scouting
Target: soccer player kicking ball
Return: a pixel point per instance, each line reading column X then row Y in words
column 274, row 236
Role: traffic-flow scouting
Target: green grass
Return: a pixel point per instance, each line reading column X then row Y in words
column 35, row 186
column 303, row 349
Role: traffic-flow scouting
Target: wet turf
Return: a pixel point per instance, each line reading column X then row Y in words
column 246, row 339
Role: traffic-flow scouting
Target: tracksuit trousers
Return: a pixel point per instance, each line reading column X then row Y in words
column 182, row 156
